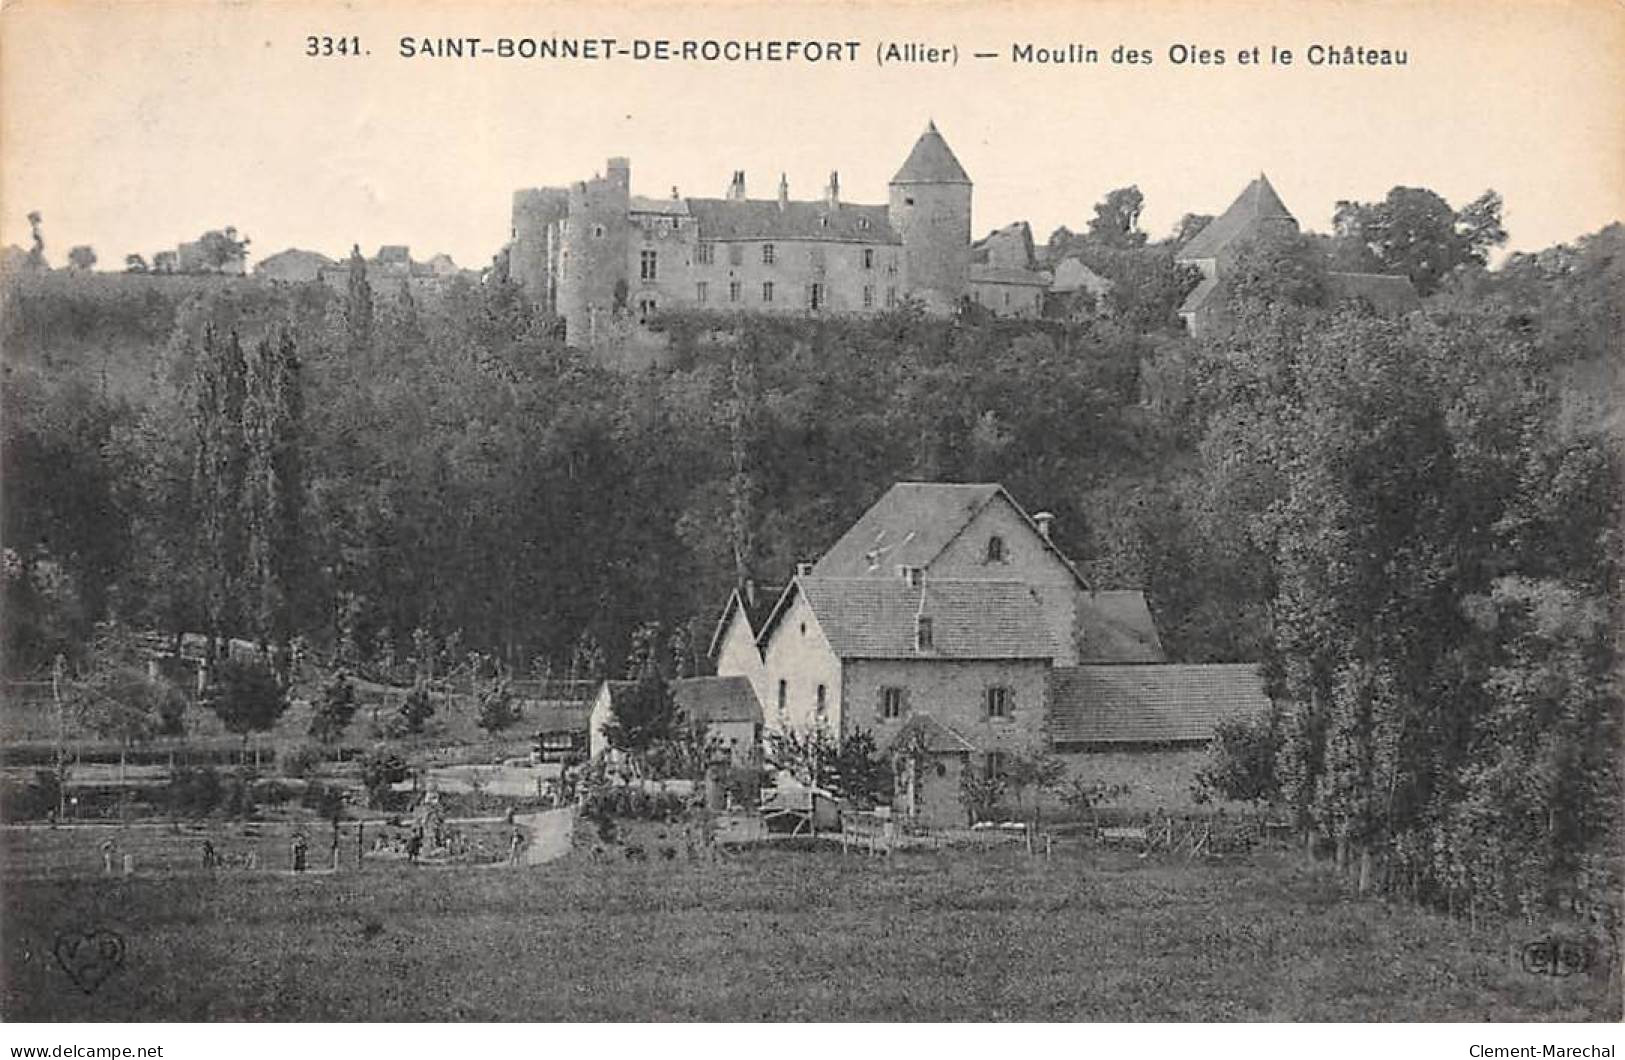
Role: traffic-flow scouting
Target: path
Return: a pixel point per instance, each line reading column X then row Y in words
column 550, row 834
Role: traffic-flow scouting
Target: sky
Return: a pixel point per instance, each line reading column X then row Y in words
column 134, row 125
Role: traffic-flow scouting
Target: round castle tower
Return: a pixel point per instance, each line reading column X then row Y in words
column 592, row 265
column 930, row 209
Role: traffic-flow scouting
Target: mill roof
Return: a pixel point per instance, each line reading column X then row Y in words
column 1116, row 627
column 735, row 219
column 873, row 618
column 717, row 699
column 1168, row 703
column 1256, row 203
column 910, row 525
column 931, row 161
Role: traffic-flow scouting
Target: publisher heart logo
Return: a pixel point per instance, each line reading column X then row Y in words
column 90, row 957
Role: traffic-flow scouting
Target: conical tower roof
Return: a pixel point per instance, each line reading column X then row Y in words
column 1256, row 203
column 931, row 162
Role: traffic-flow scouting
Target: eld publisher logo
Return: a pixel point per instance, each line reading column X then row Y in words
column 1559, row 957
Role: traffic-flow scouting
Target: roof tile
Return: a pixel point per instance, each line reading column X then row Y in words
column 872, row 618
column 1167, row 703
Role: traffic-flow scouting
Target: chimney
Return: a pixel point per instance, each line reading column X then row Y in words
column 736, row 188
column 832, row 194
column 674, row 194
column 1044, row 520
column 784, row 191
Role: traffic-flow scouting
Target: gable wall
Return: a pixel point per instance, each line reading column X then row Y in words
column 739, row 657
column 1027, row 559
column 799, row 655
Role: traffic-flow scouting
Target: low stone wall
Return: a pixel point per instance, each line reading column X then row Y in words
column 1156, row 779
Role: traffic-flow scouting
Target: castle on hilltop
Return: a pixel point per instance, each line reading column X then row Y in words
column 594, row 252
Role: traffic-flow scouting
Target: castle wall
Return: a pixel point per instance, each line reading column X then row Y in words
column 838, row 267
column 671, row 238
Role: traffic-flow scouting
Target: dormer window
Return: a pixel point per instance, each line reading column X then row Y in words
column 995, row 549
column 912, row 575
column 922, row 633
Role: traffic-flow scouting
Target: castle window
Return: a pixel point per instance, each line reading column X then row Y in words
column 702, row 292
column 868, row 298
column 822, row 706
column 815, row 296
column 646, row 308
column 891, row 703
column 598, row 231
column 868, row 257
column 733, row 291
column 996, row 701
column 1007, row 299
column 767, row 291
column 736, row 255
column 908, row 201
column 995, row 549
column 767, row 253
column 647, row 266
column 923, row 634
column 705, row 253
column 891, row 298
column 784, row 694
column 863, row 223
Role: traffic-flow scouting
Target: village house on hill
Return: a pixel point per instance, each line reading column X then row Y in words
column 946, row 619
column 1258, row 212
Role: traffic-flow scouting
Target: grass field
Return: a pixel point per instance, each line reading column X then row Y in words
column 773, row 934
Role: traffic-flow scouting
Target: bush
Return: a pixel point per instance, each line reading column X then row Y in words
column 301, row 762
column 379, row 771
column 36, row 799
column 194, row 791
column 1240, row 762
column 237, row 801
column 326, row 800
column 416, row 709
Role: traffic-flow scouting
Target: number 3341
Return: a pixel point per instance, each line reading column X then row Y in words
column 325, row 46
